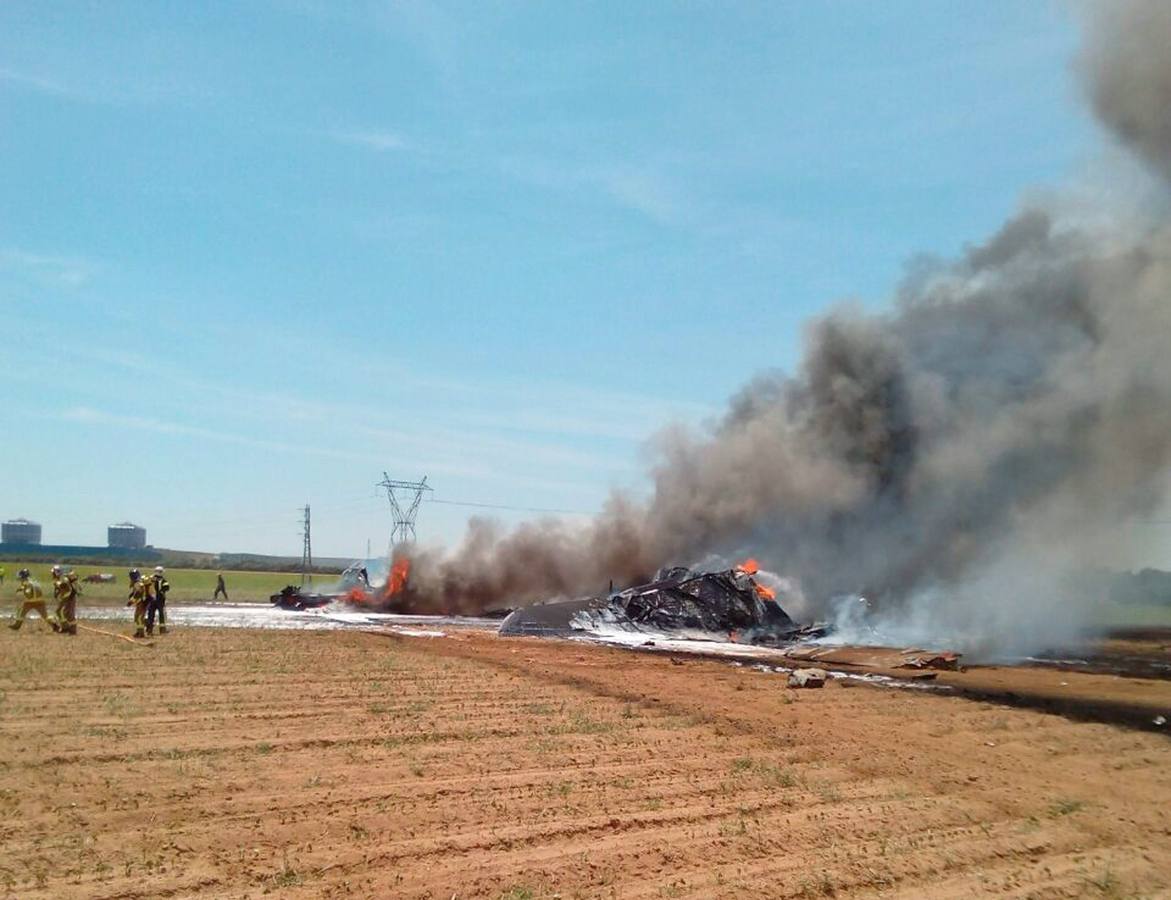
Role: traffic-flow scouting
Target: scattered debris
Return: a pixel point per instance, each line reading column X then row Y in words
column 292, row 597
column 808, row 678
column 1160, row 720
column 355, row 573
column 921, row 659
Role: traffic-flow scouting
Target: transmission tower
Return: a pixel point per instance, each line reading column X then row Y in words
column 404, row 497
column 306, row 549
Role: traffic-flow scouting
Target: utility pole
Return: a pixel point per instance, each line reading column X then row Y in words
column 404, row 513
column 306, row 550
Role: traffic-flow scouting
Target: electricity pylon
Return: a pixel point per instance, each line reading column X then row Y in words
column 306, row 550
column 411, row 494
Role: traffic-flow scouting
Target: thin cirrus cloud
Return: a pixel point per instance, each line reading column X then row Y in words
column 62, row 271
column 378, row 140
column 85, row 415
column 647, row 189
column 79, row 83
column 31, row 82
column 494, row 469
column 98, row 418
column 494, row 464
column 91, row 417
column 491, row 409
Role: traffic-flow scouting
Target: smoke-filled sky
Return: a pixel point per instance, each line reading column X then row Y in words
column 253, row 254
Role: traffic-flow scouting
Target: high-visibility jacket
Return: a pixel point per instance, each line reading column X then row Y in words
column 29, row 589
column 64, row 589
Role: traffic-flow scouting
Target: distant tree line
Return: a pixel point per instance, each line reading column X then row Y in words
column 177, row 560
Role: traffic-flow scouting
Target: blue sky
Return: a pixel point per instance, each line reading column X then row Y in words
column 254, row 253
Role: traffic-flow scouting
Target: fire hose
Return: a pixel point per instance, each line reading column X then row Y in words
column 122, row 637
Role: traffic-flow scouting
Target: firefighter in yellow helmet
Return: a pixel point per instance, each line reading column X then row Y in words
column 28, row 592
column 65, row 590
column 139, row 598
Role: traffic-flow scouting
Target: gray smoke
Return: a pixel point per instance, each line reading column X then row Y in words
column 1129, row 77
column 955, row 459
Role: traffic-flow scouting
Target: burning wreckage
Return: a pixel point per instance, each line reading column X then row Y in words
column 729, row 604
column 680, row 603
column 353, row 588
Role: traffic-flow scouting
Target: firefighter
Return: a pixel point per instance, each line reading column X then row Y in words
column 219, row 587
column 71, row 609
column 139, row 598
column 159, row 588
column 65, row 590
column 28, row 591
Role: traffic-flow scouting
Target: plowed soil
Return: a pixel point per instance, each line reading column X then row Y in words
column 236, row 763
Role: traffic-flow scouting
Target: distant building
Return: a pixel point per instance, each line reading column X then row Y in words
column 20, row 531
column 126, row 535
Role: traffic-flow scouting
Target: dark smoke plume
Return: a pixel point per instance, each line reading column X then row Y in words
column 954, row 459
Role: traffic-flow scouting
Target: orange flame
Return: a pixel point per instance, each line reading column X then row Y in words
column 399, row 572
column 357, row 597
column 750, row 567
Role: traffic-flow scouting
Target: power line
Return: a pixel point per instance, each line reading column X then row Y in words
column 267, row 519
column 532, row 509
column 256, row 522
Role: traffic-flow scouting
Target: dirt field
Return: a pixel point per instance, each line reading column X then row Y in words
column 232, row 763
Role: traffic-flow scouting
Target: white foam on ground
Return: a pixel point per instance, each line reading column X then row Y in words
column 765, row 659
column 676, row 642
column 262, row 615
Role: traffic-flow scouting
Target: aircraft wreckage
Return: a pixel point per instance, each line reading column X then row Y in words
column 728, row 603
